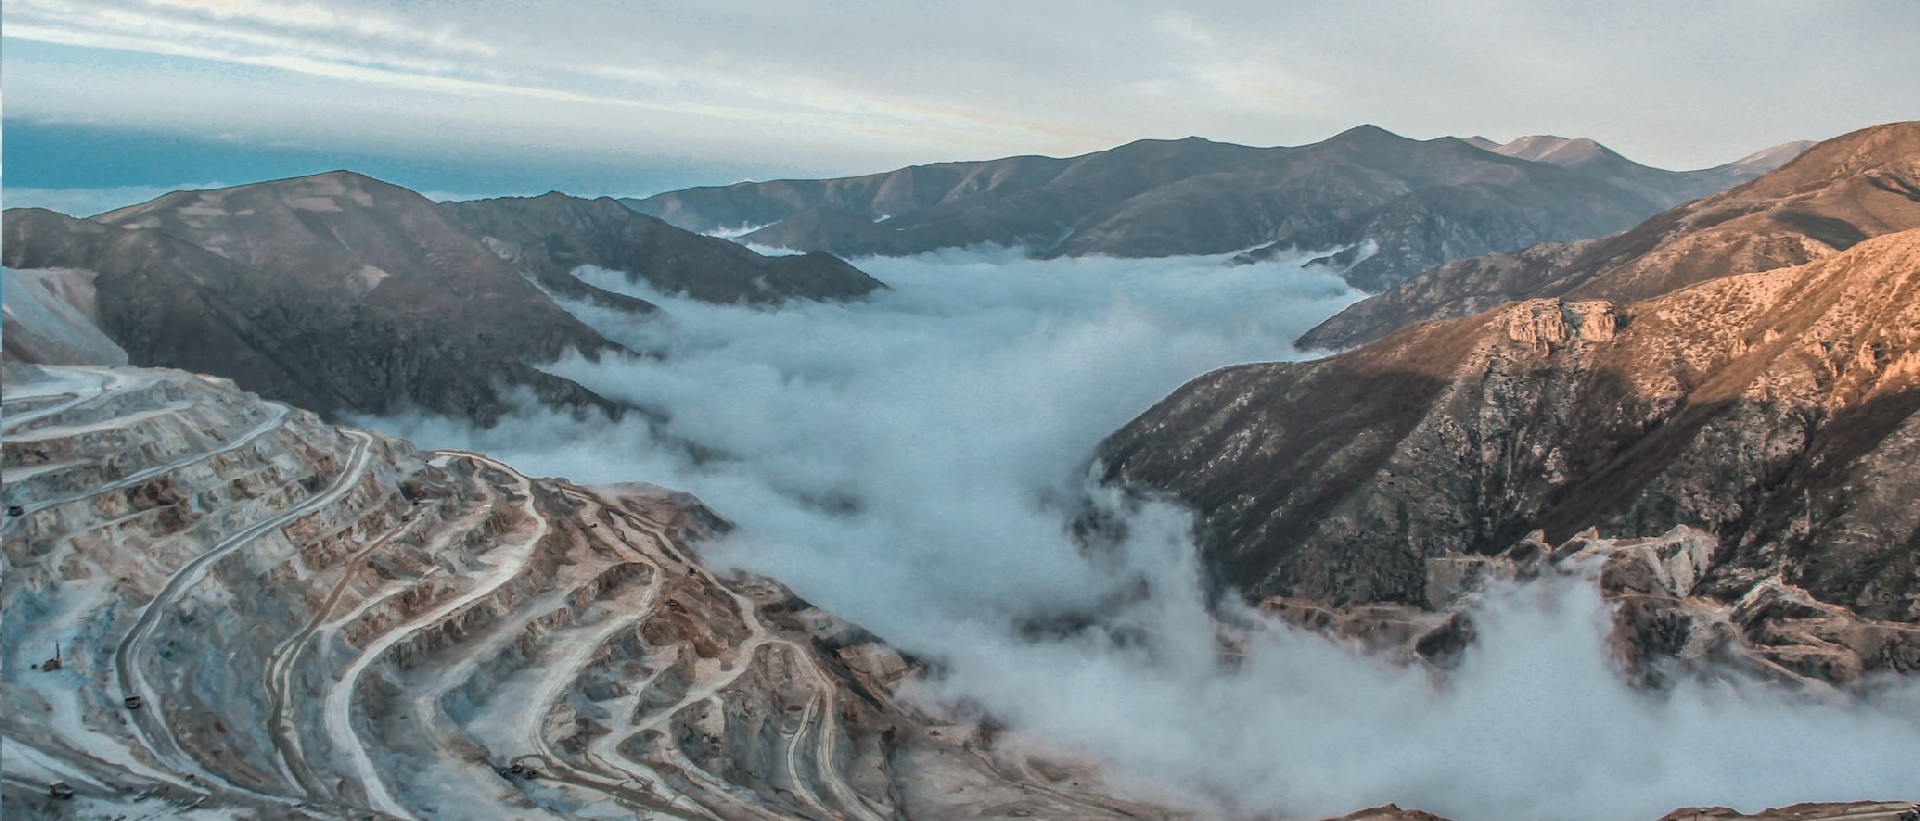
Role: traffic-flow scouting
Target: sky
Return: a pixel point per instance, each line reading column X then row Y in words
column 509, row 96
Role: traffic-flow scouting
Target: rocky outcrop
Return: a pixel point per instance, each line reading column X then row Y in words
column 1861, row 810
column 1460, row 288
column 1775, row 411
column 1663, row 625
column 258, row 615
column 1420, row 202
column 1828, row 198
column 548, row 236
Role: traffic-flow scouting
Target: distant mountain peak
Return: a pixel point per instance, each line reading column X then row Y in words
column 325, row 183
column 342, row 173
column 1768, row 159
column 1364, row 133
column 1150, row 145
column 340, row 176
column 1564, row 151
column 1891, row 147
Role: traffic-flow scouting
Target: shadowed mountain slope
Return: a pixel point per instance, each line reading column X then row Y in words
column 550, row 235
column 318, row 323
column 341, row 293
column 1420, row 202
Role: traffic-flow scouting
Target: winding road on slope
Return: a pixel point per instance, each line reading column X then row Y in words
column 266, row 426
column 149, row 726
column 818, row 713
column 339, row 699
column 106, row 381
column 285, row 656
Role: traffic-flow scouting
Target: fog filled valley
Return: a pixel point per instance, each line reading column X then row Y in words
column 917, row 462
column 937, row 432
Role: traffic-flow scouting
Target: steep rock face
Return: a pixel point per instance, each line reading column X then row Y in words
column 1825, row 200
column 1421, row 202
column 1775, row 411
column 326, row 623
column 549, row 236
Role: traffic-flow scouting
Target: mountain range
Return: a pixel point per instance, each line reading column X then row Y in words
column 1746, row 365
column 1585, row 154
column 341, row 293
column 1419, row 203
column 1833, row 196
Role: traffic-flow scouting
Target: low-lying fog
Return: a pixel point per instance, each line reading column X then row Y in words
column 912, row 462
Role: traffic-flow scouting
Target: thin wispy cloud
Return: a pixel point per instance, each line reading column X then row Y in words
column 372, row 50
column 815, row 85
column 328, row 20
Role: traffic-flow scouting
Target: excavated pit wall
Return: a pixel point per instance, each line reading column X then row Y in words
column 328, row 623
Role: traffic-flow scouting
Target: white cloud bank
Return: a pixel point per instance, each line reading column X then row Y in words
column 912, row 462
